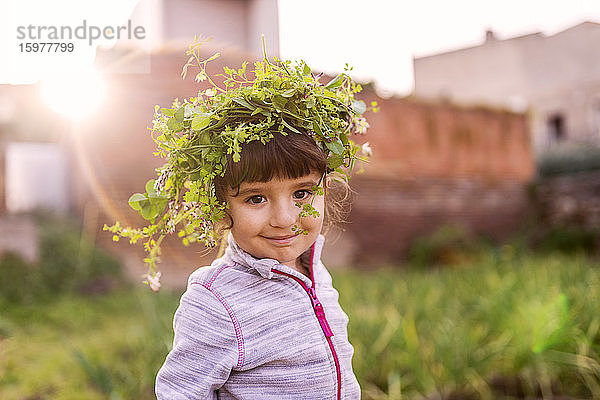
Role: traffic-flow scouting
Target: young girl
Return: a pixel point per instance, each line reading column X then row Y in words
column 263, row 321
column 254, row 157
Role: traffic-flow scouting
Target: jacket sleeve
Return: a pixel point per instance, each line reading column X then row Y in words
column 205, row 348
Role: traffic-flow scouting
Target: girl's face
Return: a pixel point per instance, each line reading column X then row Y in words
column 264, row 214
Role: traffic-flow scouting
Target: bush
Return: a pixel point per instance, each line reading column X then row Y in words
column 568, row 240
column 568, row 160
column 448, row 245
column 16, row 279
column 68, row 261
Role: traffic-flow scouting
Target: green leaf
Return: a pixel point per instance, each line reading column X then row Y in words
column 306, row 70
column 279, row 102
column 359, row 106
column 179, row 114
column 204, row 139
column 290, row 127
column 335, row 82
column 259, row 110
column 195, row 176
column 200, row 121
column 243, row 102
column 344, row 138
column 148, row 211
column 335, row 161
column 137, row 200
column 167, row 111
column 317, row 128
column 289, row 93
column 150, row 186
column 173, row 125
column 336, row 146
column 159, row 204
column 214, row 56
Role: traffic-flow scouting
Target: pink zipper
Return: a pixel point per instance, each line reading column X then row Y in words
column 320, row 313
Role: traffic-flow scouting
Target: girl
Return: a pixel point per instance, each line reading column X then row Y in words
column 255, row 157
column 263, row 321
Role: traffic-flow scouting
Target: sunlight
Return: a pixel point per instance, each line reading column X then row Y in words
column 75, row 96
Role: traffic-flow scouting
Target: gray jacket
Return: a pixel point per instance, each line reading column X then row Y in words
column 250, row 328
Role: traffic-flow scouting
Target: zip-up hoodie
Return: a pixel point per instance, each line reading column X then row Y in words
column 250, row 328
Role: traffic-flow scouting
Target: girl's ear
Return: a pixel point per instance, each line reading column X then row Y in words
column 326, row 184
column 224, row 242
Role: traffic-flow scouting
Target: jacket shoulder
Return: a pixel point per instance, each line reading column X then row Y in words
column 225, row 276
column 205, row 274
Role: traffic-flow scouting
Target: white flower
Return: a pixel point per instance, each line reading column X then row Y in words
column 210, row 92
column 367, row 150
column 200, row 76
column 154, row 281
column 361, row 125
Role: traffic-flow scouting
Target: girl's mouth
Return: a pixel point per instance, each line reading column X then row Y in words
column 281, row 240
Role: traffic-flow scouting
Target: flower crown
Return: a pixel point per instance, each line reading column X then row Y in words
column 198, row 135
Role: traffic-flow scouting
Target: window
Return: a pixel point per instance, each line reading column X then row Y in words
column 556, row 127
column 36, row 177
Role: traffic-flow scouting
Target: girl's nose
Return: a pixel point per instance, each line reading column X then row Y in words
column 284, row 214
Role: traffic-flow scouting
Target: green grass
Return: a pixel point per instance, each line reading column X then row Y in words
column 503, row 326
column 99, row 347
column 498, row 327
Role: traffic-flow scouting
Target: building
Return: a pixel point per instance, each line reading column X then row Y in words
column 231, row 23
column 555, row 78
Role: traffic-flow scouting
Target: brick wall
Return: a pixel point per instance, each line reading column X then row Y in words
column 417, row 139
column 388, row 214
column 437, row 164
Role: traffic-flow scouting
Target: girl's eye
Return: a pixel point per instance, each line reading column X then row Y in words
column 256, row 199
column 302, row 194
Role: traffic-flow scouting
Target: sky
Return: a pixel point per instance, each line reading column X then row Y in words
column 379, row 38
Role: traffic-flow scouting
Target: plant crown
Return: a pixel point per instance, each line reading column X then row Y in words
column 196, row 137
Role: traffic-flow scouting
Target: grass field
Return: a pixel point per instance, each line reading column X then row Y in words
column 500, row 326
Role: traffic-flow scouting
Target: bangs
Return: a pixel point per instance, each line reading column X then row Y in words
column 288, row 157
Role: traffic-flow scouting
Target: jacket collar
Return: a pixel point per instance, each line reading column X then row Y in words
column 264, row 266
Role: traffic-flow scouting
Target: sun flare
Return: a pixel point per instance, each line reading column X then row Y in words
column 75, row 96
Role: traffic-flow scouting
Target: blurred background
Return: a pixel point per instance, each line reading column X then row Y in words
column 468, row 263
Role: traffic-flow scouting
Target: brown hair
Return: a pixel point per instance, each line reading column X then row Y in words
column 288, row 156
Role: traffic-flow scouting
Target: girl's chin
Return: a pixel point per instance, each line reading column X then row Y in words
column 284, row 256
